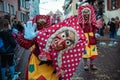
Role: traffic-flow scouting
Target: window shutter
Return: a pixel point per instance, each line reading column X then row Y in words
column 27, row 5
column 14, row 10
column 21, row 2
column 1, row 6
column 5, row 6
column 118, row 3
column 108, row 4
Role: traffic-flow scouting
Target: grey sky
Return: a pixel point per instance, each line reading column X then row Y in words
column 50, row 5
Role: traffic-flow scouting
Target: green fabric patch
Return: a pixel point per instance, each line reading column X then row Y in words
column 85, row 52
column 31, row 68
column 93, row 49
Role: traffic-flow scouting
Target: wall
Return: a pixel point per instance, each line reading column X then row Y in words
column 110, row 13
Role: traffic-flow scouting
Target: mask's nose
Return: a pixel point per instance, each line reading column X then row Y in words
column 61, row 42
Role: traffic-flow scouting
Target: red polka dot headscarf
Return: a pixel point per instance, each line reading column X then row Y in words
column 66, row 60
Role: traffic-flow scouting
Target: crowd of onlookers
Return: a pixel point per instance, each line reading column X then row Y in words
column 8, row 29
column 13, row 24
column 111, row 28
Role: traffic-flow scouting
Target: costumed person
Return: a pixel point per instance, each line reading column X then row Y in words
column 7, row 50
column 59, row 50
column 42, row 21
column 87, row 20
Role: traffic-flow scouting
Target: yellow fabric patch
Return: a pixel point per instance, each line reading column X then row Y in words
column 44, row 70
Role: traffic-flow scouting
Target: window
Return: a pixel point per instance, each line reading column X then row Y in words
column 22, row 3
column 8, row 8
column 12, row 9
column 67, row 2
column 103, row 4
column 68, row 10
column 27, row 4
column 77, row 5
column 1, row 5
column 113, row 4
column 5, row 6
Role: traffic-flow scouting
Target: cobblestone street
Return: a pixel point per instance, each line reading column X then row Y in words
column 108, row 66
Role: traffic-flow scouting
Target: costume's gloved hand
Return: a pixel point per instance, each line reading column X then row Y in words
column 45, row 56
column 29, row 30
column 15, row 31
column 97, row 35
column 42, row 57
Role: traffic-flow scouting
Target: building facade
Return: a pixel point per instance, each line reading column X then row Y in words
column 8, row 7
column 34, row 8
column 112, row 9
column 106, row 8
column 68, row 9
column 22, row 10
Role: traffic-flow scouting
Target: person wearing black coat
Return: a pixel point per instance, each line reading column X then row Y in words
column 20, row 27
column 112, row 31
column 7, row 58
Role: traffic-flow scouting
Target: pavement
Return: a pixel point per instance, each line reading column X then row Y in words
column 108, row 64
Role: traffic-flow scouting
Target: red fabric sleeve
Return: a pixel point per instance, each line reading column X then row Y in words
column 24, row 42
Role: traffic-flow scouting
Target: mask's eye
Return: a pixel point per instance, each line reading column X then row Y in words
column 68, row 42
column 63, row 35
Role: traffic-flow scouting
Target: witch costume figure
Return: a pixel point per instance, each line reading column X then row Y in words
column 42, row 21
column 59, row 50
column 87, row 20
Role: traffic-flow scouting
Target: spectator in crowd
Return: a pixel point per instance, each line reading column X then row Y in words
column 112, row 28
column 7, row 16
column 117, row 23
column 20, row 27
column 102, row 31
column 118, row 31
column 7, row 57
